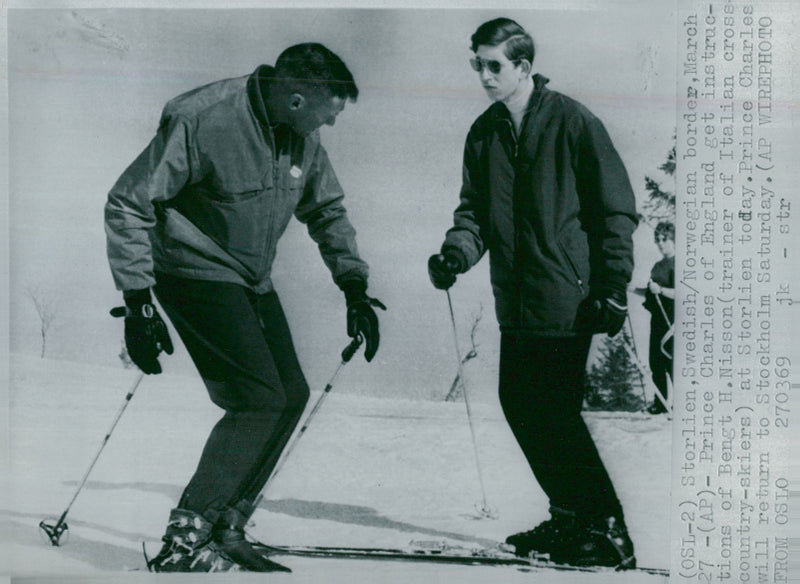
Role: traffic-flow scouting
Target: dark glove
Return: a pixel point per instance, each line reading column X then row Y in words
column 361, row 318
column 442, row 269
column 146, row 334
column 613, row 311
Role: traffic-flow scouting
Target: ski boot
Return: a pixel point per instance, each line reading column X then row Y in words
column 604, row 542
column 188, row 547
column 554, row 533
column 228, row 534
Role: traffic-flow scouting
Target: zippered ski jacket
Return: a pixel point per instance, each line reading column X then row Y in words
column 554, row 208
column 212, row 193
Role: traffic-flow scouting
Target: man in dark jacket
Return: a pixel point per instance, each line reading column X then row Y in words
column 197, row 217
column 545, row 193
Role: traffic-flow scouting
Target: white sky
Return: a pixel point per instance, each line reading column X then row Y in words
column 86, row 88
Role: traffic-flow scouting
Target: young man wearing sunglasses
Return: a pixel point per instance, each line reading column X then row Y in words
column 197, row 217
column 545, row 193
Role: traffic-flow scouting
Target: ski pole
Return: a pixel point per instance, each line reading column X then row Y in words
column 663, row 347
column 485, row 509
column 642, row 368
column 635, row 354
column 671, row 330
column 347, row 354
column 54, row 531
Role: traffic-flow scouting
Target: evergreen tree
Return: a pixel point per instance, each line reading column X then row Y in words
column 613, row 382
column 660, row 203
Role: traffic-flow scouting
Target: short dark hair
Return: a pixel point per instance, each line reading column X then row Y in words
column 518, row 43
column 312, row 65
column 666, row 229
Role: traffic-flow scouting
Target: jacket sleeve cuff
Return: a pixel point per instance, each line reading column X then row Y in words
column 354, row 289
column 137, row 298
column 615, row 286
column 458, row 256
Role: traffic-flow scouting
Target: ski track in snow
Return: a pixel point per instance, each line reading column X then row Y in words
column 368, row 473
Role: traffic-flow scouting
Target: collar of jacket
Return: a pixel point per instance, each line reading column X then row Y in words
column 280, row 134
column 256, row 89
column 501, row 113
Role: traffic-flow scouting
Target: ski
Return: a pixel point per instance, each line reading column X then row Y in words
column 445, row 553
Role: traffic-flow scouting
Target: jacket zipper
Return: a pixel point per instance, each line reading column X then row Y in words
column 576, row 275
column 266, row 260
column 572, row 267
column 516, row 267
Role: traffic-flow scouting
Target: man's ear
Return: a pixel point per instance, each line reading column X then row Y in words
column 525, row 66
column 296, row 101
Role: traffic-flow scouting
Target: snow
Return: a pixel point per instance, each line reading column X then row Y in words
column 368, row 472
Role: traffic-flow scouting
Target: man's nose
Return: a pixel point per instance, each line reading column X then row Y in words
column 485, row 74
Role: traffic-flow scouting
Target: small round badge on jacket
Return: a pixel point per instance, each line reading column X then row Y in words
column 295, row 171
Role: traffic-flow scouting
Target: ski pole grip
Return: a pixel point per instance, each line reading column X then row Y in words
column 351, row 349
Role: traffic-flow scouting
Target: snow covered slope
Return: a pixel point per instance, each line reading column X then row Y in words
column 368, row 472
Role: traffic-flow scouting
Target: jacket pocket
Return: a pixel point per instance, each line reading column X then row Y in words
column 232, row 192
column 230, row 185
column 236, row 213
column 572, row 264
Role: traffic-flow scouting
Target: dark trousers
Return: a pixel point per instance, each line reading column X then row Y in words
column 242, row 347
column 541, row 392
column 660, row 364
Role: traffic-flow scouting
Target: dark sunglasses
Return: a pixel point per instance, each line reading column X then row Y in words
column 494, row 67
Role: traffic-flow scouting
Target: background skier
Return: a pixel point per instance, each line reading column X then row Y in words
column 545, row 192
column 660, row 301
column 197, row 217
